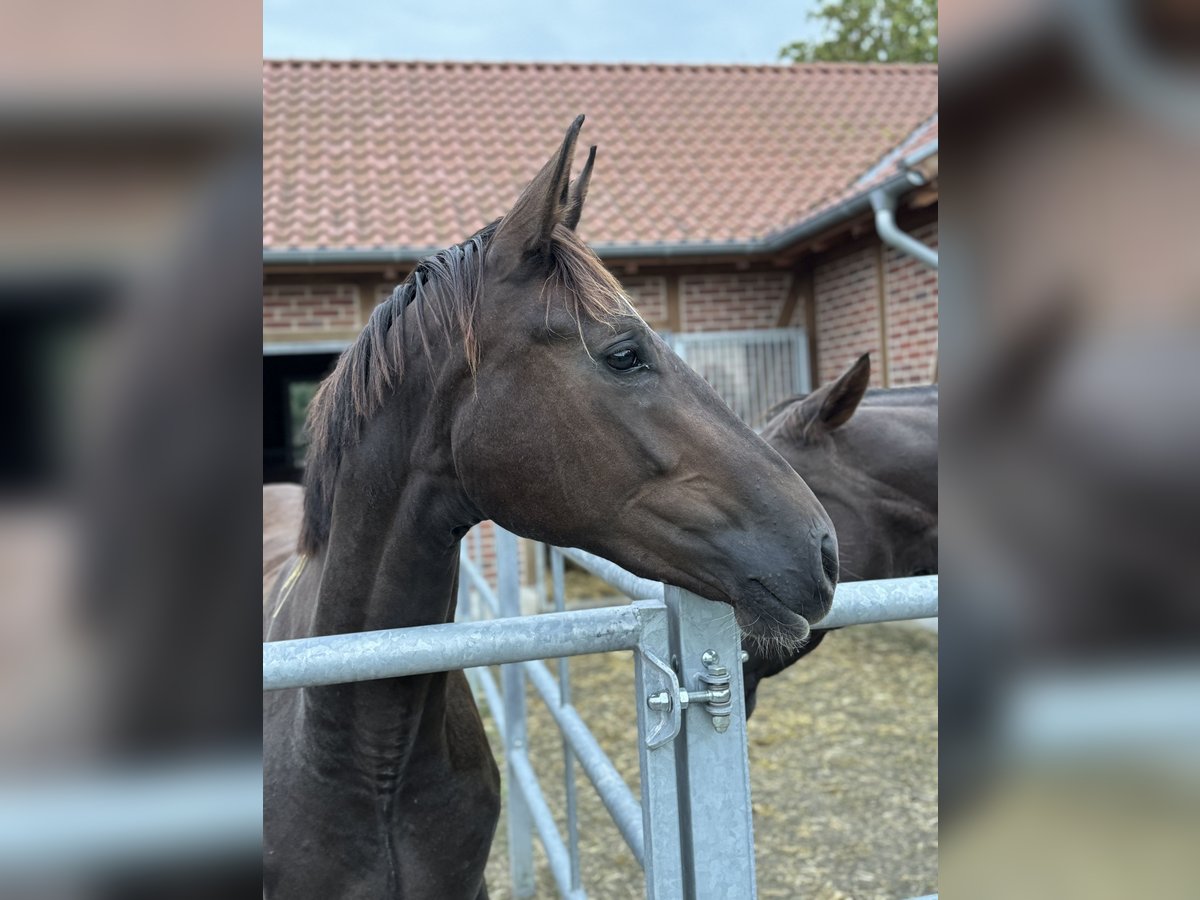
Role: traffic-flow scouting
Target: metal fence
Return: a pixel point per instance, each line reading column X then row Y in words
column 751, row 370
column 692, row 830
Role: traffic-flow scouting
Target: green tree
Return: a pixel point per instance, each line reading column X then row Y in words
column 871, row 31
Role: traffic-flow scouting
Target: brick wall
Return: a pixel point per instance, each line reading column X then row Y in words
column 912, row 312
column 730, row 301
column 309, row 310
column 649, row 295
column 847, row 297
column 486, row 557
column 847, row 293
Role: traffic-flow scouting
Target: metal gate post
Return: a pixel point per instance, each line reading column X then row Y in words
column 661, row 858
column 803, row 370
column 713, row 770
column 462, row 612
column 520, row 821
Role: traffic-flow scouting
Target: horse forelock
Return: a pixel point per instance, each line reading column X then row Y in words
column 441, row 297
column 591, row 290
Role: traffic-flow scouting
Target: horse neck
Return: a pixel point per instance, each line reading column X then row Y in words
column 896, row 446
column 391, row 562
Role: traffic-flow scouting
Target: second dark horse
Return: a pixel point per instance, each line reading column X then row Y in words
column 870, row 456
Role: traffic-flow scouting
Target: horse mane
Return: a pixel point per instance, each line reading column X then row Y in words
column 911, row 395
column 441, row 298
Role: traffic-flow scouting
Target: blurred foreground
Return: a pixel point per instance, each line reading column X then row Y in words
column 1070, row 336
column 130, row 201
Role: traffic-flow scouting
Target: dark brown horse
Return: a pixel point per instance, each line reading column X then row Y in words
column 870, row 456
column 508, row 378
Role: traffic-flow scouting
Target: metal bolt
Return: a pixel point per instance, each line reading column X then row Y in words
column 720, row 723
column 710, row 658
column 745, row 656
column 660, row 702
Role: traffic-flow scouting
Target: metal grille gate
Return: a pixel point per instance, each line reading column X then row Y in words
column 677, row 812
column 693, row 830
column 751, row 370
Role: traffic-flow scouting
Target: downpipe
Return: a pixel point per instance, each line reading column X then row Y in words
column 883, row 201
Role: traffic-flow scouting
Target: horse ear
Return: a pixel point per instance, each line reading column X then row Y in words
column 529, row 225
column 578, row 192
column 832, row 405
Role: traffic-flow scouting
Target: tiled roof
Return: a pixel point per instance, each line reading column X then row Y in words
column 379, row 155
column 922, row 139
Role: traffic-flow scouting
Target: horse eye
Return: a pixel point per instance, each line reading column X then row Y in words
column 624, row 360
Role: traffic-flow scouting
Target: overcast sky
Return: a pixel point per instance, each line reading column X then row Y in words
column 692, row 31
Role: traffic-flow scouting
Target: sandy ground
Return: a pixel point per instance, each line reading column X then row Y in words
column 843, row 763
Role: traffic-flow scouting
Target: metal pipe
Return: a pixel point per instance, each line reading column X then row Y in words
column 612, row 574
column 491, row 695
column 468, row 568
column 539, row 575
column 462, row 605
column 885, row 600
column 618, row 799
column 518, row 815
column 854, row 603
column 477, row 545
column 558, row 586
column 884, row 203
column 543, row 821
column 421, row 650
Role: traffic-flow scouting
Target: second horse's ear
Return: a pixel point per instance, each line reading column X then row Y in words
column 831, row 405
column 528, row 228
column 577, row 193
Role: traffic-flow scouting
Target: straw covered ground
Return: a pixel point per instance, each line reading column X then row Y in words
column 843, row 764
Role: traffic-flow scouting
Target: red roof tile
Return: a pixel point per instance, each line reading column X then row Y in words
column 379, row 155
column 922, row 139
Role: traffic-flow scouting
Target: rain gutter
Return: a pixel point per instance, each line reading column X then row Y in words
column 856, row 205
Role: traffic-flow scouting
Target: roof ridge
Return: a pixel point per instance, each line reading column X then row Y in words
column 866, row 67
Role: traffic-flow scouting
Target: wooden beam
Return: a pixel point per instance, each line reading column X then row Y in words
column 674, row 311
column 883, row 318
column 806, row 275
column 794, row 293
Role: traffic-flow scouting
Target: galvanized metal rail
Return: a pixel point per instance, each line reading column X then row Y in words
column 693, row 830
column 856, row 603
column 656, row 829
column 335, row 659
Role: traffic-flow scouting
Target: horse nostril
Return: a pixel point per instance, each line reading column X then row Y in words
column 829, row 558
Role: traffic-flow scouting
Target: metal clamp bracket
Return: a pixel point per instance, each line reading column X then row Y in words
column 660, row 679
column 712, row 690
